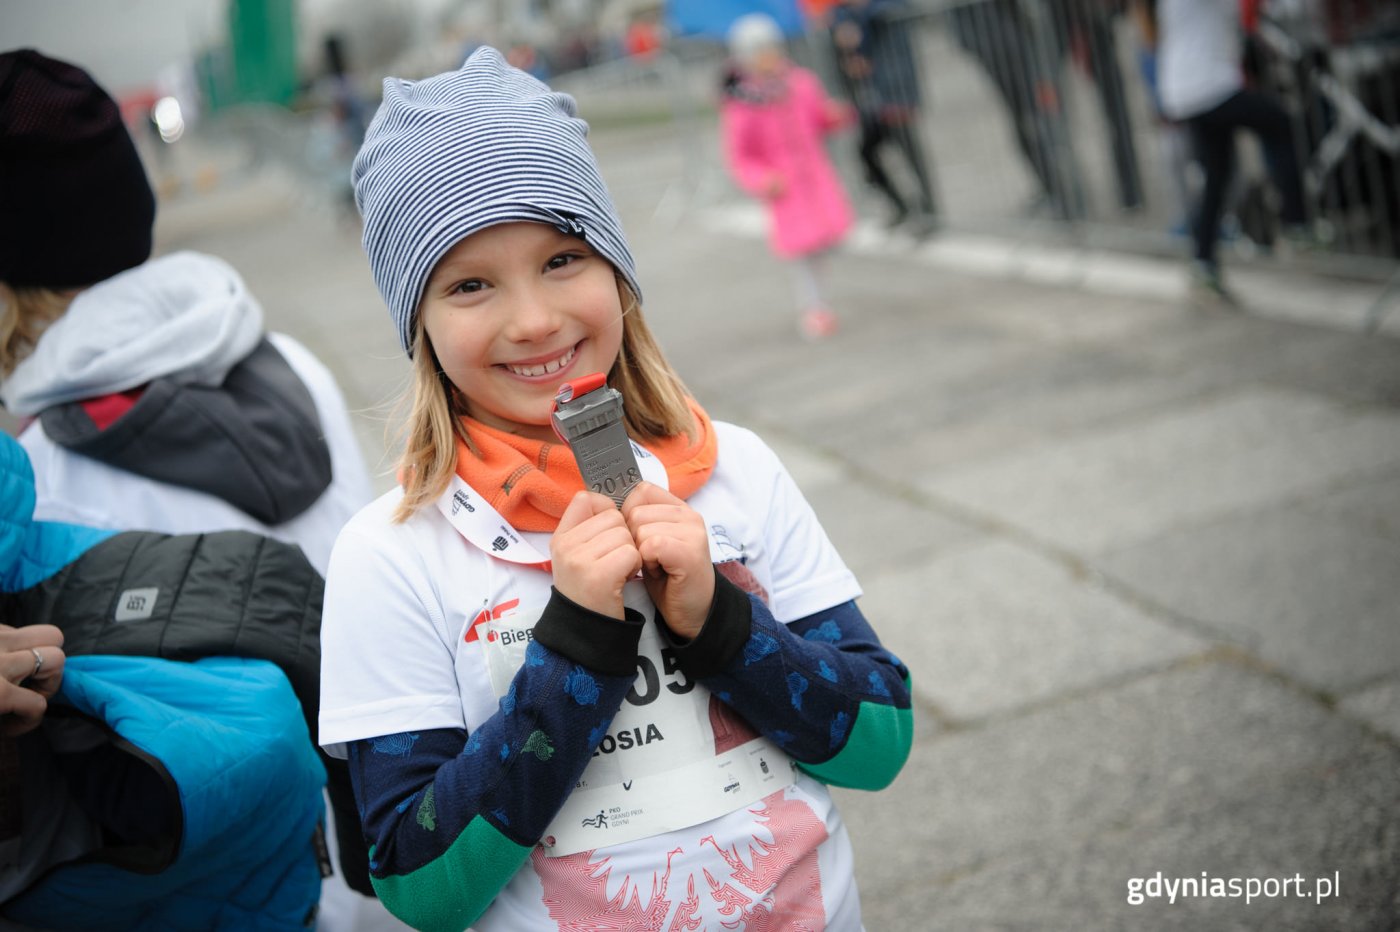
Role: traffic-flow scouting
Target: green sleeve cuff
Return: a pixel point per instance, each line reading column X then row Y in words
column 449, row 893
column 874, row 752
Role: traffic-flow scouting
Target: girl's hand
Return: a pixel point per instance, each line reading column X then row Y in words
column 593, row 554
column 675, row 553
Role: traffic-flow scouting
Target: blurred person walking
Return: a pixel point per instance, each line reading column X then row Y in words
column 348, row 105
column 881, row 76
column 775, row 117
column 1200, row 77
column 1016, row 45
column 150, row 393
column 1173, row 144
column 1090, row 39
column 340, row 129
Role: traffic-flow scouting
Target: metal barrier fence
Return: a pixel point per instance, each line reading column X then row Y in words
column 1036, row 110
column 1345, row 101
column 1037, row 117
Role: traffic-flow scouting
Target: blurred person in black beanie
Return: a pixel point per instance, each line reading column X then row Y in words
column 104, row 350
column 150, row 394
column 75, row 205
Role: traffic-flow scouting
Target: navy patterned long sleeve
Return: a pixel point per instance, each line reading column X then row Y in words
column 443, row 805
column 822, row 687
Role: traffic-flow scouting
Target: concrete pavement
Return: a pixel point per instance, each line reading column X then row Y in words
column 1142, row 560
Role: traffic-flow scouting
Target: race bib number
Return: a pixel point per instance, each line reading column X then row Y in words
column 674, row 755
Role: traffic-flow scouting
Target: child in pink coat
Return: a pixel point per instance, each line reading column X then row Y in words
column 774, row 119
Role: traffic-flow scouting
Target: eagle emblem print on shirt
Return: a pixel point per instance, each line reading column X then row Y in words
column 773, row 883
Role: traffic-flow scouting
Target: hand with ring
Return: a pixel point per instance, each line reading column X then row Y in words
column 31, row 669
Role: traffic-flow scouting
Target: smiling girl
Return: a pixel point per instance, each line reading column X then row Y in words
column 560, row 713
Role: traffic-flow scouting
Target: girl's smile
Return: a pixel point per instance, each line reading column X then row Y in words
column 514, row 310
column 531, row 369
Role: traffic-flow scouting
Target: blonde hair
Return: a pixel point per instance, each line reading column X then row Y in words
column 654, row 399
column 25, row 313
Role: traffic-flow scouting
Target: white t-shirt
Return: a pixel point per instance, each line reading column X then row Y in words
column 400, row 654
column 1199, row 51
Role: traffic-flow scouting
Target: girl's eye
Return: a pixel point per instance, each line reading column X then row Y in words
column 469, row 286
column 561, row 260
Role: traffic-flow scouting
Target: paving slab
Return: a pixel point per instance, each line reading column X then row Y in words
column 872, row 527
column 1311, row 588
column 999, row 414
column 1345, row 366
column 1012, row 403
column 1240, row 451
column 1235, row 349
column 1379, row 705
column 1296, row 853
column 1371, row 507
column 995, row 627
column 875, row 531
column 1038, row 821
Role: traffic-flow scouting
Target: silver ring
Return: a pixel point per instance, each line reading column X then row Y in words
column 38, row 661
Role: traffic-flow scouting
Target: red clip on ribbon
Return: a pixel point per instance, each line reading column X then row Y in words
column 573, row 389
column 579, row 386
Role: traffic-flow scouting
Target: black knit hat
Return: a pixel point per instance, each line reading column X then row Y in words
column 75, row 205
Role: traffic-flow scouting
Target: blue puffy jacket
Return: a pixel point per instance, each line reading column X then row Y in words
column 227, row 734
column 222, row 740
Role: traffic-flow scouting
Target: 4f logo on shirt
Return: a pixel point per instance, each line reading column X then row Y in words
column 485, row 615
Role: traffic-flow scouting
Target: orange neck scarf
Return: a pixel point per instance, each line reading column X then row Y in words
column 530, row 482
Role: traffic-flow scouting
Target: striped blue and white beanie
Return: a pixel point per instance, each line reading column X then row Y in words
column 453, row 154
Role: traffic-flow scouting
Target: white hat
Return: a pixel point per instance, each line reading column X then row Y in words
column 754, row 33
